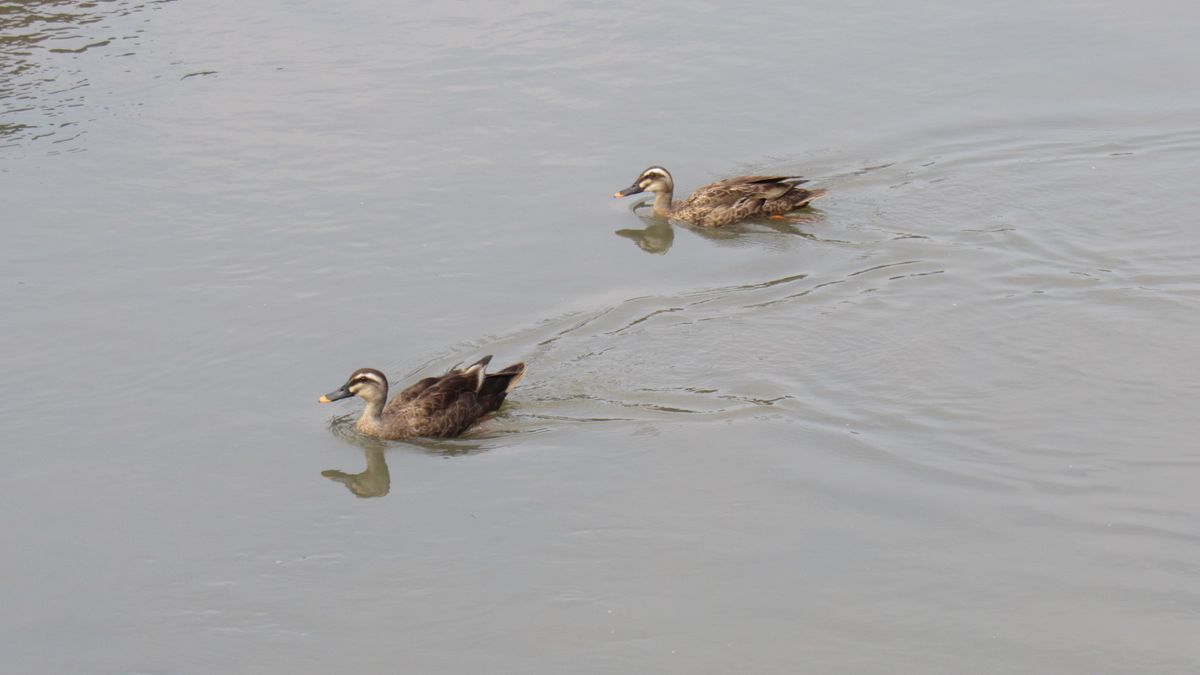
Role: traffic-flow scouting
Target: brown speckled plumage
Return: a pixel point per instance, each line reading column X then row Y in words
column 442, row 406
column 725, row 201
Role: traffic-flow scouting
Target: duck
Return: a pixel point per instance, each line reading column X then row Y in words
column 726, row 201
column 438, row 407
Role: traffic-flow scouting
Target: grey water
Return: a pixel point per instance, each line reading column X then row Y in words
column 945, row 422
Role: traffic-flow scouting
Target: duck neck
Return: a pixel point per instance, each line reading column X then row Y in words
column 662, row 204
column 372, row 417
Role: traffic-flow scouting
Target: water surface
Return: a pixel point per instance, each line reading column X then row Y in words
column 943, row 423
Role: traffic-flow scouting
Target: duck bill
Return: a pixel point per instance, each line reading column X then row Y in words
column 338, row 395
column 631, row 190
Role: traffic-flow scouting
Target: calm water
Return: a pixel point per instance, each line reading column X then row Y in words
column 946, row 424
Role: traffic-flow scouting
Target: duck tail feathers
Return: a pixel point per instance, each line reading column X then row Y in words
column 503, row 381
column 515, row 373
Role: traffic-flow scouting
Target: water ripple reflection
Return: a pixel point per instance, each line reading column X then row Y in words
column 43, row 83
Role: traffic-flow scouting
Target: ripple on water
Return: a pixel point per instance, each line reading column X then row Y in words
column 44, row 87
column 967, row 325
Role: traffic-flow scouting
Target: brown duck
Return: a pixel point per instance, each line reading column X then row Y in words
column 442, row 406
column 725, row 201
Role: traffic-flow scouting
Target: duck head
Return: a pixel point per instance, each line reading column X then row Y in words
column 655, row 179
column 367, row 383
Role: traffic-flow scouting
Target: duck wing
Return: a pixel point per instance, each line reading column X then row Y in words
column 726, row 193
column 450, row 404
column 790, row 180
column 412, row 392
column 767, row 187
column 447, row 407
column 735, row 199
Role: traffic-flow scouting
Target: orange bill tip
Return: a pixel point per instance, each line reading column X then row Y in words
column 616, row 194
column 324, row 399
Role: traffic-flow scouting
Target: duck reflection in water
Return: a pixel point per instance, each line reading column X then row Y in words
column 657, row 238
column 374, row 481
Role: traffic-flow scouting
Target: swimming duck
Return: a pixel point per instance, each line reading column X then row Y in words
column 442, row 406
column 725, row 201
